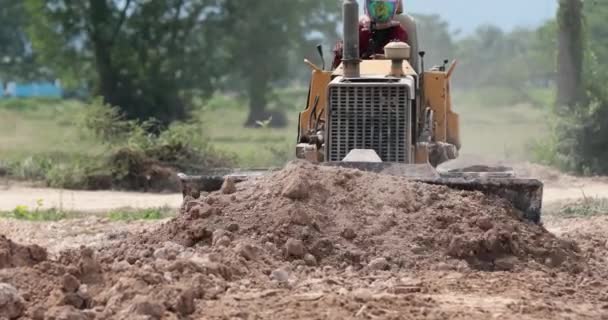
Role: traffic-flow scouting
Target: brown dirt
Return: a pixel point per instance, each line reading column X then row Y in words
column 321, row 243
column 13, row 255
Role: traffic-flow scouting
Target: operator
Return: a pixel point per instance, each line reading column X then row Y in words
column 377, row 28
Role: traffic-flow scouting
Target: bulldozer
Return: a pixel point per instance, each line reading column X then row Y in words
column 388, row 115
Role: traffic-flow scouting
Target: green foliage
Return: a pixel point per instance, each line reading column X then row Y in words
column 38, row 214
column 143, row 214
column 17, row 62
column 495, row 67
column 125, row 154
column 492, row 58
column 579, row 135
column 146, row 57
column 150, row 58
column 435, row 38
column 258, row 41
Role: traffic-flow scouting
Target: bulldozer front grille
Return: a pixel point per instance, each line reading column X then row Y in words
column 369, row 116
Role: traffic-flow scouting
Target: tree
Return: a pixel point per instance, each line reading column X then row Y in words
column 579, row 142
column 146, row 57
column 260, row 35
column 570, row 90
column 16, row 57
column 435, row 39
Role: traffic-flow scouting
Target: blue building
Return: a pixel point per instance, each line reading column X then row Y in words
column 32, row 89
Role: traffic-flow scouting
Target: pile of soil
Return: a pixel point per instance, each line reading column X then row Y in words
column 311, row 238
column 347, row 217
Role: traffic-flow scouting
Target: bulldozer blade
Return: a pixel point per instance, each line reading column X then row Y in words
column 525, row 195
column 194, row 185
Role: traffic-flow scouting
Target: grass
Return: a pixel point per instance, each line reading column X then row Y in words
column 141, row 214
column 500, row 132
column 259, row 147
column 42, row 127
column 41, row 138
column 23, row 213
column 586, row 207
column 486, row 130
column 127, row 214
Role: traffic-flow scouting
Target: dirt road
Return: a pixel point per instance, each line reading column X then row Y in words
column 103, row 201
column 84, row 201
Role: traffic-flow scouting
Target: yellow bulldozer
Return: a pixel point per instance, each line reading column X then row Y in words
column 390, row 116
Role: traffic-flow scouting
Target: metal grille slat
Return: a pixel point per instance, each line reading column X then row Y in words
column 373, row 116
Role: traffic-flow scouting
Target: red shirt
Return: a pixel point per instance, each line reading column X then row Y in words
column 381, row 39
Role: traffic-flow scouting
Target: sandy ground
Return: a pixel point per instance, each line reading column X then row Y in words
column 558, row 188
column 84, row 201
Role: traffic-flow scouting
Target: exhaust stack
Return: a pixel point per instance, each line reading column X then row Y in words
column 350, row 57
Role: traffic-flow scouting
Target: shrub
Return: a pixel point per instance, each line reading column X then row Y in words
column 579, row 138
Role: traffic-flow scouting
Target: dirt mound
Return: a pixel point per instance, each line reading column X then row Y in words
column 13, row 255
column 345, row 217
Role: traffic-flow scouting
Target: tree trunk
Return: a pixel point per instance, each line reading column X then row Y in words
column 570, row 54
column 258, row 88
column 100, row 15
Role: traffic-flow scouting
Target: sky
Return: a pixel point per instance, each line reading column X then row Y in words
column 466, row 15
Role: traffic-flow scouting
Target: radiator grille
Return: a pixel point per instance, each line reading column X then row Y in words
column 369, row 117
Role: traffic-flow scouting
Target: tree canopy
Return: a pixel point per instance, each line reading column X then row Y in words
column 149, row 57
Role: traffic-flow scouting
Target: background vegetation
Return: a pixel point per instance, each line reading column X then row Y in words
column 184, row 84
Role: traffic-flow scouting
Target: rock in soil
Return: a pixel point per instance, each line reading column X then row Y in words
column 295, row 248
column 379, row 264
column 297, row 188
column 280, row 275
column 229, row 186
column 310, row 260
column 69, row 283
column 11, row 303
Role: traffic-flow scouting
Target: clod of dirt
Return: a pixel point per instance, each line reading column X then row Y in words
column 297, row 188
column 279, row 275
column 201, row 211
column 69, row 283
column 229, row 186
column 310, row 260
column 221, row 238
column 64, row 313
column 485, row 223
column 505, row 263
column 379, row 264
column 13, row 255
column 247, row 251
column 89, row 267
column 143, row 306
column 185, row 303
column 233, row 227
column 300, row 216
column 294, row 248
column 168, row 251
column 349, row 234
column 11, row 303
